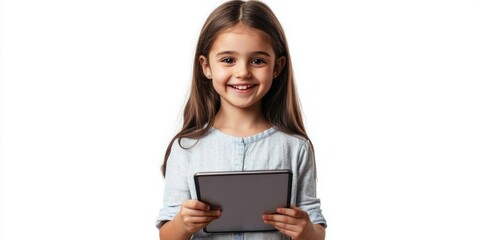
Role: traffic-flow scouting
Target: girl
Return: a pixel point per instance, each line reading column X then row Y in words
column 242, row 114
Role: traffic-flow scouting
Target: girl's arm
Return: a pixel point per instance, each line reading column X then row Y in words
column 295, row 223
column 181, row 216
column 193, row 216
column 320, row 230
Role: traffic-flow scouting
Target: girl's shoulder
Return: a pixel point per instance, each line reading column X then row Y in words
column 185, row 143
column 292, row 138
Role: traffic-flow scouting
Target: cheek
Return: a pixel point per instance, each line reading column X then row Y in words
column 219, row 82
column 217, row 71
column 265, row 77
column 265, row 73
column 220, row 77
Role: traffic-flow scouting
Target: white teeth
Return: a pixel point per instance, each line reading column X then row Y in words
column 242, row 87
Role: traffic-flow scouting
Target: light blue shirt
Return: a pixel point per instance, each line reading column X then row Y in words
column 217, row 151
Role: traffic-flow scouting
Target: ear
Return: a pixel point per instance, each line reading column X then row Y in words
column 205, row 66
column 279, row 64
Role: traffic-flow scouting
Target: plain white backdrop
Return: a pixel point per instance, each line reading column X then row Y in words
column 91, row 93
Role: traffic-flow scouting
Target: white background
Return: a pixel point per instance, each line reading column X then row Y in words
column 91, row 93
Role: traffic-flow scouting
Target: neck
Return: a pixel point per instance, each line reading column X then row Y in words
column 241, row 122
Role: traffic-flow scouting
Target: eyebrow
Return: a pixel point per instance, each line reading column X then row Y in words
column 233, row 52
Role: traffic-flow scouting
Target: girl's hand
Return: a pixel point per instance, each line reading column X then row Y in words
column 195, row 215
column 293, row 222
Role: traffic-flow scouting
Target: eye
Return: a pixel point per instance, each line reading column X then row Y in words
column 258, row 61
column 228, row 60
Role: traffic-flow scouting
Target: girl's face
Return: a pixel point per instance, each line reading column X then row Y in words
column 242, row 66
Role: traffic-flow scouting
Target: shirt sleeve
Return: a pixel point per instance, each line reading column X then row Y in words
column 176, row 186
column 306, row 189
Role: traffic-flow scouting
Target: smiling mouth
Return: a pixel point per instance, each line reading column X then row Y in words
column 242, row 87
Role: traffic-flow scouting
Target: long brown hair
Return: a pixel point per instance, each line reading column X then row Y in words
column 280, row 105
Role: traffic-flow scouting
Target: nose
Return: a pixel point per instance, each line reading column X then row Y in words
column 242, row 71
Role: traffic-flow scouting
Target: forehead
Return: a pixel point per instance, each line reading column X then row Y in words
column 241, row 38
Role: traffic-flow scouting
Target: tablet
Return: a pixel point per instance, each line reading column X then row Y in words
column 243, row 197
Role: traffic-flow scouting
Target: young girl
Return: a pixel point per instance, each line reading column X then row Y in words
column 242, row 114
